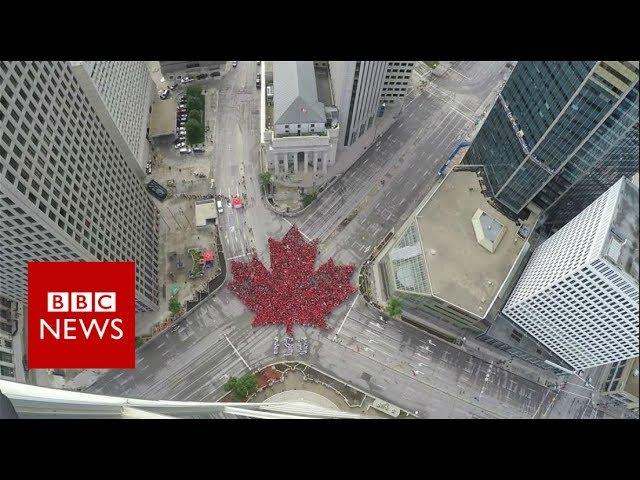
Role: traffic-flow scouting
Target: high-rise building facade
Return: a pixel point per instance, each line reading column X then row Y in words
column 357, row 88
column 7, row 325
column 559, row 135
column 396, row 82
column 69, row 189
column 126, row 91
column 578, row 295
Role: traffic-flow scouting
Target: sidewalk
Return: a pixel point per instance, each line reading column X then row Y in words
column 486, row 352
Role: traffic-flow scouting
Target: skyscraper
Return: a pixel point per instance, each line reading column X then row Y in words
column 396, row 82
column 125, row 92
column 578, row 295
column 559, row 135
column 69, row 185
column 357, row 88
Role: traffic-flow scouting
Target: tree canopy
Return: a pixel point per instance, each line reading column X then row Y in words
column 243, row 386
column 174, row 305
column 195, row 132
column 194, row 91
column 394, row 307
column 194, row 103
column 195, row 114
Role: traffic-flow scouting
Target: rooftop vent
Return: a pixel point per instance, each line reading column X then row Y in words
column 488, row 230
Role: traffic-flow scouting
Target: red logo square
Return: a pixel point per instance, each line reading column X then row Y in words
column 81, row 315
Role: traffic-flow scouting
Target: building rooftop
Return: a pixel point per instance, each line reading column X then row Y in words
column 163, row 117
column 621, row 245
column 295, row 95
column 458, row 269
column 205, row 210
column 324, row 87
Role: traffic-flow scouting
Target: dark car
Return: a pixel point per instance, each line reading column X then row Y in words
column 198, row 150
column 157, row 190
column 201, row 76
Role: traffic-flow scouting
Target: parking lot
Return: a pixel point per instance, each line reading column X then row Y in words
column 187, row 178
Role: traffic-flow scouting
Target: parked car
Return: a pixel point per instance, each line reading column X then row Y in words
column 219, row 205
column 183, row 97
column 180, row 145
column 173, row 86
column 258, row 80
column 184, row 151
column 201, row 76
column 198, row 150
column 157, row 190
column 164, row 94
column 148, row 168
column 186, row 80
column 258, row 62
column 234, row 64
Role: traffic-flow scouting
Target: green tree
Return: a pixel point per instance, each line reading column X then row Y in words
column 139, row 341
column 394, row 307
column 195, row 103
column 242, row 387
column 174, row 305
column 265, row 179
column 307, row 198
column 195, row 132
column 194, row 91
column 196, row 115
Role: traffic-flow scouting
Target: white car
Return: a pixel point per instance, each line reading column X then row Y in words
column 186, row 80
column 180, row 145
column 234, row 64
column 164, row 94
column 184, row 151
column 219, row 205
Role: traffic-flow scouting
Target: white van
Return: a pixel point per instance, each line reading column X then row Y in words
column 219, row 205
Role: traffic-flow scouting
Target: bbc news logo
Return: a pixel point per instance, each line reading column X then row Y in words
column 81, row 315
column 80, row 302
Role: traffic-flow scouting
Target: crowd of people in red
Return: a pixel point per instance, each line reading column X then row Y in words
column 292, row 292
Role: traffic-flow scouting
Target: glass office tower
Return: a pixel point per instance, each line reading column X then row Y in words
column 559, row 135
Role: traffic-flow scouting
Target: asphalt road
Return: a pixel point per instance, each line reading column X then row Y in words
column 391, row 360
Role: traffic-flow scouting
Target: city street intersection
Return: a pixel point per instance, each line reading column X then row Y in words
column 390, row 360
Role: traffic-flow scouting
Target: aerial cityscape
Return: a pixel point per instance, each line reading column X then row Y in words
column 320, row 239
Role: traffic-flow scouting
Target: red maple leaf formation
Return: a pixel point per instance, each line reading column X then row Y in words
column 292, row 292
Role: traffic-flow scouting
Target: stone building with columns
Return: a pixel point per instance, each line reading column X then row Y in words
column 301, row 140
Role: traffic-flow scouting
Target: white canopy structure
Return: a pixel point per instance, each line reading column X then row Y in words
column 30, row 401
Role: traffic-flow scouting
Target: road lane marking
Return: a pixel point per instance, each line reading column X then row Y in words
column 237, row 352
